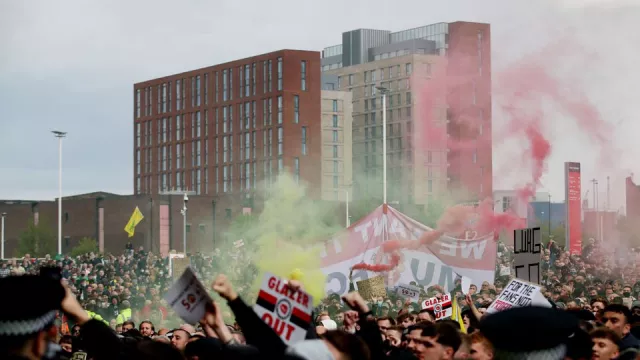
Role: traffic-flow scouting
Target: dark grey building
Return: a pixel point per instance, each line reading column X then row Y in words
column 366, row 45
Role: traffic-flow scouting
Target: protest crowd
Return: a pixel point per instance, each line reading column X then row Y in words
column 112, row 307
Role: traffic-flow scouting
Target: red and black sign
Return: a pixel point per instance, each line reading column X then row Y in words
column 270, row 302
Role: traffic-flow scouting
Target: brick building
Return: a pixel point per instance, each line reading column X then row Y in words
column 103, row 216
column 230, row 128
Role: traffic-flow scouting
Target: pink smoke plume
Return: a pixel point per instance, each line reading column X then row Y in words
column 523, row 91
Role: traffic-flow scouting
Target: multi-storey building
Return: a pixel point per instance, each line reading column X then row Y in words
column 403, row 63
column 229, row 128
column 336, row 145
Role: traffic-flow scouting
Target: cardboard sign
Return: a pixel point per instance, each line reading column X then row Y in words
column 187, row 297
column 408, row 292
column 518, row 293
column 371, row 288
column 526, row 251
column 441, row 307
column 287, row 312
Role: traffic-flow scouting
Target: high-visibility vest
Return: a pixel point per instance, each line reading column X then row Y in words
column 95, row 316
column 123, row 316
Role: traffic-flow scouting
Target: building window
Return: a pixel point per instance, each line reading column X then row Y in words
column 336, row 181
column 429, row 185
column 280, row 110
column 253, row 145
column 231, row 149
column 247, row 146
column 216, row 152
column 247, row 81
column 264, row 143
column 351, row 79
column 206, row 89
column 304, row 140
column 270, row 78
column 296, row 109
column 253, row 113
column 280, row 141
column 270, row 142
column 178, row 156
column 408, row 68
column 225, row 149
column 247, row 175
column 231, row 84
column 225, row 179
column 296, row 173
column 475, row 156
column 335, row 136
column 138, row 134
column 335, row 121
column 137, row 103
column 280, row 165
column 303, row 75
column 264, row 77
column 335, row 105
column 225, row 85
column 280, row 70
column 335, row 151
column 247, row 114
column 253, row 78
column 138, row 171
column 216, row 90
column 198, row 90
column 408, row 97
column 335, row 167
column 217, row 181
column 270, row 114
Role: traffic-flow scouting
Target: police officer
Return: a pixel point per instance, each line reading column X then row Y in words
column 27, row 329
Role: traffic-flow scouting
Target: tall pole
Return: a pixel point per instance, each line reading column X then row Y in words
column 60, row 135
column 608, row 195
column 184, row 224
column 2, row 239
column 383, row 91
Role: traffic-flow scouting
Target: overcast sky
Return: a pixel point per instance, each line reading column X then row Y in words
column 70, row 65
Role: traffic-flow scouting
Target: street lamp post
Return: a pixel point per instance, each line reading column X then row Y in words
column 384, row 92
column 2, row 236
column 60, row 135
column 184, row 223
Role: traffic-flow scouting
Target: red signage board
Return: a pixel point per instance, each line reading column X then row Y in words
column 573, row 198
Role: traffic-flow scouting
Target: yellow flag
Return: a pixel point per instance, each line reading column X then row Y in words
column 135, row 219
column 456, row 315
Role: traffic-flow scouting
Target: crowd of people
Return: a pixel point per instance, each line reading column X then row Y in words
column 112, row 307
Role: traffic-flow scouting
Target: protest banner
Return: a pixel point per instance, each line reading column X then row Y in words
column 372, row 288
column 286, row 311
column 188, row 297
column 440, row 306
column 526, row 253
column 472, row 255
column 408, row 292
column 518, row 293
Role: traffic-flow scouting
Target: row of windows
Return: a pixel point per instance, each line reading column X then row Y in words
column 247, row 145
column 246, row 120
column 247, row 80
column 383, row 73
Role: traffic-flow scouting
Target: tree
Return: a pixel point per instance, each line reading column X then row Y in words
column 37, row 240
column 85, row 246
